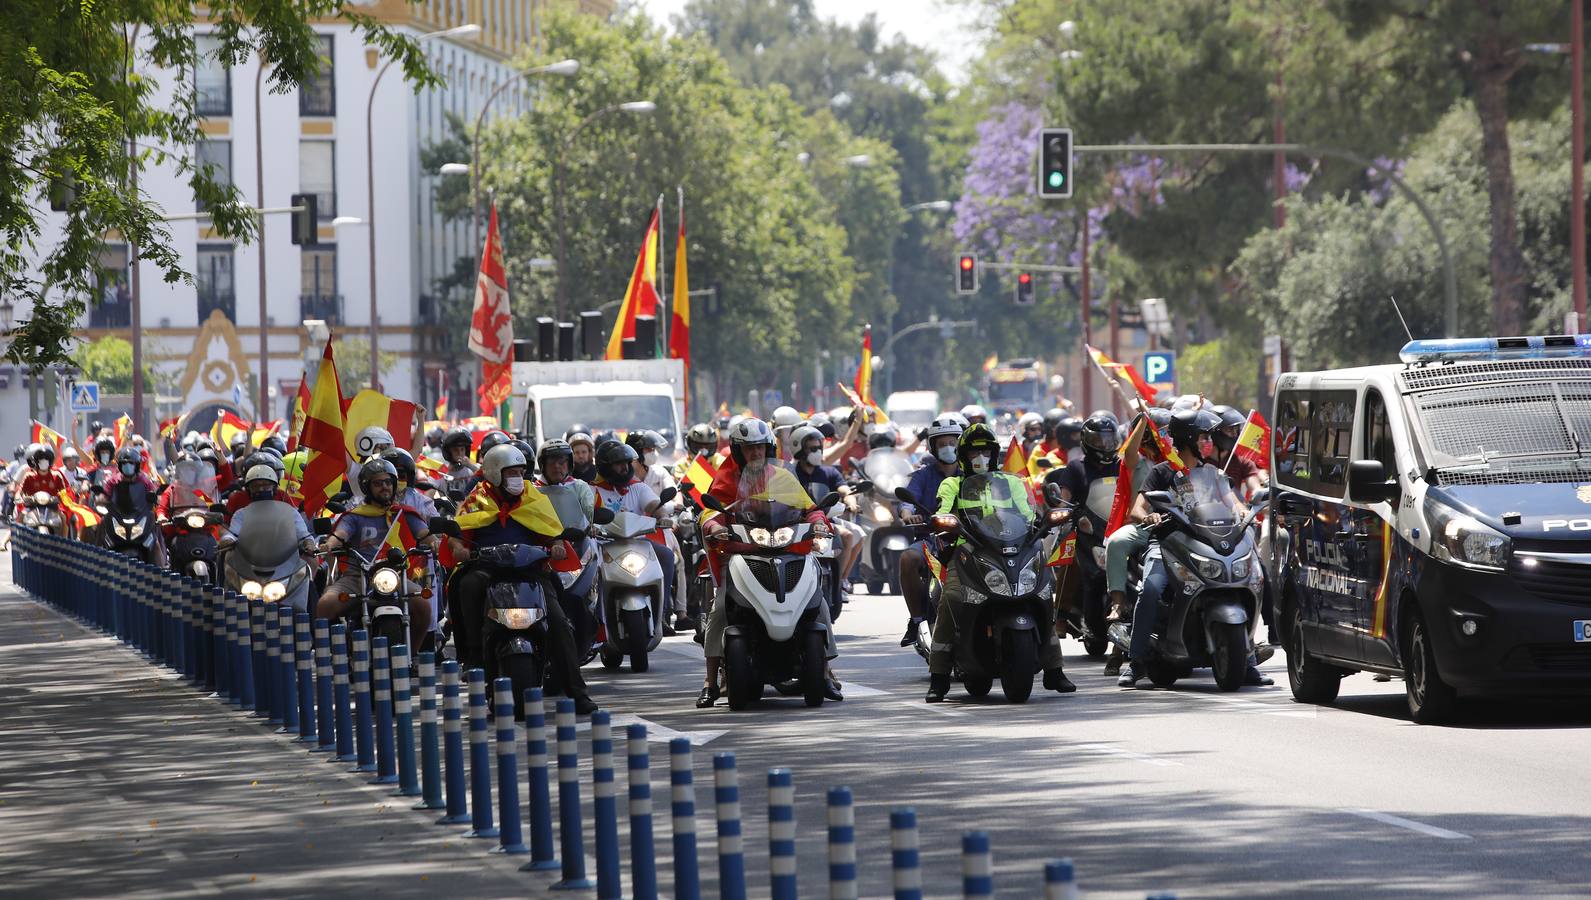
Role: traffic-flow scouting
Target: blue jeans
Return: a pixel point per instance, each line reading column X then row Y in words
column 1146, row 614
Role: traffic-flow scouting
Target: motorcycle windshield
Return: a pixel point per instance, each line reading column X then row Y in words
column 193, row 483
column 989, row 507
column 1206, row 498
column 888, row 468
column 770, row 497
column 129, row 500
column 269, row 536
column 566, row 501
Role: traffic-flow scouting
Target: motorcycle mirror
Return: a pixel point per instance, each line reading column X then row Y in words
column 337, row 506
column 669, row 493
column 447, row 507
column 602, row 516
column 1158, row 498
column 904, row 496
column 444, row 525
column 424, row 485
column 828, row 501
column 711, row 502
column 572, row 534
column 320, row 526
column 862, row 487
column 1052, row 495
column 1261, row 497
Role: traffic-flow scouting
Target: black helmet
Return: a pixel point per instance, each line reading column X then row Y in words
column 884, row 435
column 94, row 426
column 1052, row 419
column 402, row 462
column 1230, row 417
column 977, row 437
column 526, row 450
column 824, row 425
column 21, row 451
column 42, row 452
column 576, row 428
column 1101, row 438
column 1069, row 432
column 104, row 445
column 125, row 455
column 208, row 454
column 642, row 441
column 492, row 439
column 457, row 437
column 1159, row 416
column 615, row 462
column 377, row 468
column 1188, row 424
column 434, row 436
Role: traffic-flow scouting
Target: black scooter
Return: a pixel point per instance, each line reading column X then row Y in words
column 127, row 521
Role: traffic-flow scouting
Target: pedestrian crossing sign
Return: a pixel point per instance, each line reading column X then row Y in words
column 85, row 397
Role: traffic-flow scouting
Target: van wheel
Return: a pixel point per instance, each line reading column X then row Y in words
column 1230, row 660
column 1431, row 700
column 1312, row 680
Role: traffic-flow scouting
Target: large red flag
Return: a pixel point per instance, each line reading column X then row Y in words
column 323, row 437
column 640, row 297
column 492, row 324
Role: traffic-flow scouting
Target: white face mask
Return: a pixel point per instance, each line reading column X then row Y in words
column 946, row 454
column 650, row 458
column 128, row 469
column 814, row 457
column 513, row 486
column 43, row 465
column 980, row 464
column 104, row 459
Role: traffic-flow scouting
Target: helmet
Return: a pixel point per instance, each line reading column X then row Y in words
column 824, row 425
column 580, row 437
column 402, row 462
column 94, row 426
column 973, row 411
column 557, row 447
column 615, row 462
column 747, row 432
column 123, row 456
column 372, row 441
column 947, row 423
column 375, row 468
column 1053, row 418
column 208, row 454
column 1029, row 420
column 239, row 440
column 107, row 447
column 702, row 436
column 799, row 436
column 1100, row 439
column 20, row 452
column 494, row 461
column 977, row 438
column 885, row 435
column 1186, row 401
column 642, row 441
column 269, row 451
column 273, row 442
column 576, row 428
column 37, row 452
column 1068, row 432
column 434, row 436
column 605, row 437
column 492, row 439
column 190, row 440
column 69, row 455
column 457, row 437
column 1188, row 424
column 261, row 472
column 786, row 417
column 268, row 460
column 1229, row 417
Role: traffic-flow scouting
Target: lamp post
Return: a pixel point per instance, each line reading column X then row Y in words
column 635, row 106
column 370, row 188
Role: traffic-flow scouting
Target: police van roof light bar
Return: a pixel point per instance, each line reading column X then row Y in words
column 1495, row 349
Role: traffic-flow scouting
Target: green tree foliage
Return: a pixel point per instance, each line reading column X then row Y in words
column 1225, row 370
column 108, row 361
column 93, row 92
column 353, row 362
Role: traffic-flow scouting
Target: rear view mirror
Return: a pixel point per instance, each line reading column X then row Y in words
column 905, row 496
column 602, row 516
column 862, row 487
column 443, row 525
column 829, row 500
column 320, row 526
column 669, row 493
column 1367, row 482
column 572, row 534
column 1052, row 494
column 711, row 502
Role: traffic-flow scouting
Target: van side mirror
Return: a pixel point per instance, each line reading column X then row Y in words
column 1367, row 482
column 444, row 525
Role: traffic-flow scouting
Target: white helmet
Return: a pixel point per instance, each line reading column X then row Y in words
column 371, row 441
column 746, row 432
column 946, row 424
column 261, row 472
column 974, row 411
column 500, row 457
column 786, row 417
column 1029, row 418
column 800, row 435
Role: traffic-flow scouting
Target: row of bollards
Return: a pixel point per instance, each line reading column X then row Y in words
column 344, row 694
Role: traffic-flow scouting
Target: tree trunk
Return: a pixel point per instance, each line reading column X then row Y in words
column 1493, row 67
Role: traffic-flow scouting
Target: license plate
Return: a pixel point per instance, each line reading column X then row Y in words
column 1582, row 631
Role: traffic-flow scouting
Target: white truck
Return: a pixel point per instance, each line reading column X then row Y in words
column 603, row 395
column 912, row 410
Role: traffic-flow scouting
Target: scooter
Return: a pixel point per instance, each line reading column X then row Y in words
column 192, row 546
column 383, row 602
column 1213, row 588
column 41, row 512
column 631, row 587
column 1090, row 518
column 262, row 561
column 127, row 521
column 577, row 578
column 886, row 538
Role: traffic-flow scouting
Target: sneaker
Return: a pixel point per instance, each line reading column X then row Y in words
column 938, row 687
column 1056, row 680
column 1255, row 678
column 668, row 630
column 911, row 632
column 1113, row 661
column 585, row 706
column 1264, row 652
column 1129, row 677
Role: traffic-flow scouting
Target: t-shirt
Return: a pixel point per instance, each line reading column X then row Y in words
column 1240, row 470
column 1077, row 476
column 819, row 481
column 636, row 497
column 1203, row 479
column 365, row 534
column 924, row 485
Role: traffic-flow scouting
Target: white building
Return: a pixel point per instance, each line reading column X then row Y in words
column 315, row 140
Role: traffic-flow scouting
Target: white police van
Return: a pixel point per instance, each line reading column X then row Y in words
column 1432, row 520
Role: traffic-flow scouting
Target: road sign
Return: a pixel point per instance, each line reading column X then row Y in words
column 772, row 399
column 1160, row 367
column 85, row 397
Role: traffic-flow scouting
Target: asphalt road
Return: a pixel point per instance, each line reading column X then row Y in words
column 136, row 785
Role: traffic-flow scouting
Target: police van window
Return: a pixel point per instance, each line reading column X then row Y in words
column 1331, row 430
column 1378, row 433
column 1292, row 439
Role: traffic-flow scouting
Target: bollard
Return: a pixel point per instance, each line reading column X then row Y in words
column 604, row 807
column 731, row 855
column 243, row 654
column 453, row 746
column 364, row 727
column 480, row 760
column 220, row 641
column 430, row 737
column 273, row 664
column 781, row 834
column 303, row 653
column 286, row 690
column 339, row 667
column 262, row 681
column 904, row 863
column 842, row 845
column 327, row 726
column 1060, row 880
column 643, row 856
column 571, row 839
column 542, row 855
column 386, row 769
column 403, row 720
column 977, row 866
column 687, row 881
column 510, row 838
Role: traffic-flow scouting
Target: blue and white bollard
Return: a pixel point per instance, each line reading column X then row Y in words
column 905, row 866
column 221, row 641
column 605, row 807
column 977, row 866
column 242, row 652
column 781, row 834
column 643, row 855
column 304, row 653
column 1060, row 880
column 682, row 788
column 543, row 856
column 341, row 691
column 570, row 838
column 273, row 664
column 364, row 726
column 842, row 845
column 287, row 666
column 510, row 837
column 430, row 737
column 731, row 852
column 327, row 726
column 403, row 721
column 262, row 672
column 480, row 760
column 386, row 765
column 458, row 807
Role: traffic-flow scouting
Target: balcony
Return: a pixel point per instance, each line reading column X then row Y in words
column 327, row 307
column 225, row 301
column 114, row 309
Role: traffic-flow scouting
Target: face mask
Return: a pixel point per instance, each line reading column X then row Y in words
column 650, row 458
column 263, row 494
column 513, row 486
column 980, row 464
column 814, row 457
column 43, row 465
column 946, row 454
column 104, row 459
column 129, row 469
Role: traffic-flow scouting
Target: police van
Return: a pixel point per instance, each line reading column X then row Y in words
column 1432, row 519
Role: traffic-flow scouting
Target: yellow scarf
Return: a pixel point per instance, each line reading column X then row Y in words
column 532, row 510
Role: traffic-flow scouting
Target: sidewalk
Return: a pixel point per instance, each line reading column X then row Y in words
column 117, row 780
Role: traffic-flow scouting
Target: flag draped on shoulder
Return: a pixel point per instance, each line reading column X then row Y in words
column 327, row 457
column 679, row 326
column 85, row 516
column 492, row 324
column 375, row 408
column 640, row 296
column 532, row 509
column 1254, row 442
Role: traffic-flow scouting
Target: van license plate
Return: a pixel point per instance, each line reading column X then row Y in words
column 1582, row 631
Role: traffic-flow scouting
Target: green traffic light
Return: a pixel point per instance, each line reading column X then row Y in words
column 1057, row 178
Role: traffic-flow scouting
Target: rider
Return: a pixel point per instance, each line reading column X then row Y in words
column 506, row 509
column 41, row 474
column 700, row 441
column 977, row 452
column 975, row 414
column 943, row 435
column 657, row 476
column 72, row 470
column 408, row 494
column 806, row 448
column 1245, row 475
column 237, row 500
column 1031, row 427
column 261, row 484
column 556, row 462
column 456, row 455
column 130, row 468
column 364, row 531
column 584, row 451
column 619, row 489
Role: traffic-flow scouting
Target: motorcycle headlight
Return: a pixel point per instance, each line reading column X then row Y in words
column 274, row 592
column 1459, row 539
column 996, row 581
column 136, row 529
column 252, row 590
column 195, row 521
column 759, row 536
column 568, row 579
column 1209, row 569
column 1028, row 580
column 40, row 498
column 517, row 619
column 385, row 581
column 882, row 515
column 1240, row 568
column 1180, row 571
column 782, row 536
column 635, row 563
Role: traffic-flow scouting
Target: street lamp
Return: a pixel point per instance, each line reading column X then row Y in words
column 564, row 68
column 634, row 106
column 370, row 184
column 8, row 311
column 454, row 169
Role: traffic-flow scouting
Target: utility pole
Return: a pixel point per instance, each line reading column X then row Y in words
column 1577, row 158
column 1088, row 332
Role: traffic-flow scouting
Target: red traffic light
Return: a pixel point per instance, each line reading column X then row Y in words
column 1024, row 278
column 967, row 263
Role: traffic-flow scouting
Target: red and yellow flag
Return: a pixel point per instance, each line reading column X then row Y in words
column 323, row 437
column 679, row 327
column 168, row 427
column 863, row 383
column 1121, row 503
column 492, row 324
column 401, row 537
column 124, row 429
column 1114, row 371
column 261, row 432
column 374, row 408
column 295, row 426
column 640, row 296
column 44, row 434
column 1254, row 442
column 226, row 426
column 1016, row 462
column 441, row 408
column 699, row 477
column 531, row 509
column 85, row 516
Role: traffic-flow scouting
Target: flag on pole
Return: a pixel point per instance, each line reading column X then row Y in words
column 44, row 434
column 441, row 408
column 295, row 429
column 640, row 296
column 1121, row 503
column 1113, row 371
column 1016, row 462
column 124, row 429
column 698, row 478
column 374, row 408
column 492, row 324
column 400, row 537
column 1254, row 442
column 168, row 427
column 323, row 437
column 679, row 328
column 863, row 383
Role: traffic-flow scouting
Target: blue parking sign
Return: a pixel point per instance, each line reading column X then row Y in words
column 1160, row 367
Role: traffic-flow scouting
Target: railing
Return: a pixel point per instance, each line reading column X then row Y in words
column 321, row 306
column 214, row 300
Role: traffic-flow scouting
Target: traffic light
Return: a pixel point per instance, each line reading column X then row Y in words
column 967, row 275
column 1055, row 163
column 305, row 220
column 1024, row 289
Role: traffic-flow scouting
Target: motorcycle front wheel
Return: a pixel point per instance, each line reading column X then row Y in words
column 744, row 688
column 637, row 635
column 391, row 628
column 1230, row 660
column 813, row 680
column 525, row 671
column 1019, row 659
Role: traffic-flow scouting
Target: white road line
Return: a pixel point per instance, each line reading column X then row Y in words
column 851, row 689
column 1287, row 711
column 75, row 642
column 1135, row 756
column 656, row 733
column 1410, row 824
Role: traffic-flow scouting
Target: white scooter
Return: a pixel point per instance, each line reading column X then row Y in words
column 631, row 585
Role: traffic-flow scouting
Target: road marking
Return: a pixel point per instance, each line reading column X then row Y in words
column 1135, row 756
column 1410, row 824
column 851, row 690
column 656, row 733
column 75, row 642
column 1238, row 703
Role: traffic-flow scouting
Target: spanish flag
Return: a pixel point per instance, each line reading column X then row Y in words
column 168, row 427
column 323, row 437
column 698, row 477
column 124, row 429
column 640, row 297
column 679, row 327
column 85, row 516
column 375, row 408
column 1121, row 503
column 401, row 537
column 44, row 434
column 226, row 426
column 863, row 383
column 295, row 429
column 1112, row 370
column 1016, row 461
column 532, row 509
column 1254, row 442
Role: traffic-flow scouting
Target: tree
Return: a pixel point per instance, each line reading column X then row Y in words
column 90, row 95
column 108, row 361
column 353, row 362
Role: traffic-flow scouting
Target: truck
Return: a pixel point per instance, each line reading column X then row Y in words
column 603, row 395
column 1015, row 386
column 912, row 410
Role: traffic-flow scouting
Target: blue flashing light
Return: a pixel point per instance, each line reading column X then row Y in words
column 1552, row 346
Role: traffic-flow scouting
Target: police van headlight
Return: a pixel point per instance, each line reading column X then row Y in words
column 1460, row 539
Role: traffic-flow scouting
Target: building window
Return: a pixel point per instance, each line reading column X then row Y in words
column 317, row 175
column 113, row 303
column 318, row 96
column 218, row 155
column 317, row 293
column 211, row 77
column 213, row 275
